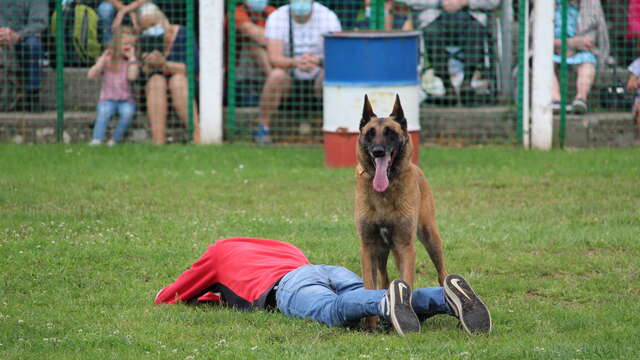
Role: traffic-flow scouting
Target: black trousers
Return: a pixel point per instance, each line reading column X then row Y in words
column 455, row 29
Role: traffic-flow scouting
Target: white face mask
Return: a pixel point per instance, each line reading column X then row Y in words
column 256, row 5
column 301, row 7
column 155, row 30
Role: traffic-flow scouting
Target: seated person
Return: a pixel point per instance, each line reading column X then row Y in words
column 21, row 25
column 587, row 46
column 297, row 58
column 460, row 23
column 252, row 62
column 395, row 17
column 246, row 273
column 165, row 69
column 110, row 9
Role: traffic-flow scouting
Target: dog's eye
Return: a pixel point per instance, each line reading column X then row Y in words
column 370, row 134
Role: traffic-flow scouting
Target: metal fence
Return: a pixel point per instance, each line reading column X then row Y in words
column 65, row 63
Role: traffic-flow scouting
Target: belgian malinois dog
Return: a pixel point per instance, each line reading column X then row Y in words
column 393, row 202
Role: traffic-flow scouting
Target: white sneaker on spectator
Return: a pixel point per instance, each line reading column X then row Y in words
column 111, row 142
column 95, row 142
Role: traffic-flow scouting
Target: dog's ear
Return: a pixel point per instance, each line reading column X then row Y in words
column 398, row 114
column 367, row 112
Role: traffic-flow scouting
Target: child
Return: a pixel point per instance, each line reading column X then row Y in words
column 118, row 67
column 633, row 85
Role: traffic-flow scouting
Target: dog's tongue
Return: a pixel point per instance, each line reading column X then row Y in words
column 380, row 181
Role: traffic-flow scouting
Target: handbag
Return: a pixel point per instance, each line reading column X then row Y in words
column 615, row 96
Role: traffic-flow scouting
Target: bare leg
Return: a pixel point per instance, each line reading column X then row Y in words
column 317, row 84
column 555, row 88
column 586, row 76
column 178, row 85
column 157, row 107
column 259, row 54
column 278, row 83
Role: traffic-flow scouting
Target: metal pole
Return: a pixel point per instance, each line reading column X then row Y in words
column 541, row 113
column 190, row 68
column 231, row 69
column 376, row 22
column 523, row 133
column 563, row 75
column 59, row 73
column 211, row 71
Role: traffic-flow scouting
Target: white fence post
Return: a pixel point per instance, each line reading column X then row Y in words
column 541, row 112
column 211, row 70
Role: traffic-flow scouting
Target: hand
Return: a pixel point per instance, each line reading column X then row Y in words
column 154, row 60
column 581, row 43
column 452, row 6
column 307, row 62
column 106, row 56
column 130, row 52
column 117, row 20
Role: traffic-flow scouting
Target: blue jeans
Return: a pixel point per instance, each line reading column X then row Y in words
column 336, row 296
column 30, row 51
column 106, row 109
column 106, row 12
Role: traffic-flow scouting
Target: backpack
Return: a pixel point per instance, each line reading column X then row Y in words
column 8, row 79
column 80, row 22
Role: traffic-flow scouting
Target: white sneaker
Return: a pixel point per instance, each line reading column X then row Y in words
column 95, row 142
column 111, row 142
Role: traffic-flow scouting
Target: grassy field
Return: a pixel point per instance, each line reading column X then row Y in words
column 550, row 241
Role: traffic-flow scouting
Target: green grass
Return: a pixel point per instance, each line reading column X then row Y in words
column 550, row 241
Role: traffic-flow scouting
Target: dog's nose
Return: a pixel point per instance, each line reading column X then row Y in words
column 378, row 151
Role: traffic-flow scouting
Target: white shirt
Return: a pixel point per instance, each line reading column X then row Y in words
column 307, row 37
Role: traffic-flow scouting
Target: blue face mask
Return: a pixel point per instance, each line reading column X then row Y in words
column 155, row 30
column 256, row 5
column 301, row 7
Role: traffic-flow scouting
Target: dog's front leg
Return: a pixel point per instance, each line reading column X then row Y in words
column 369, row 271
column 405, row 255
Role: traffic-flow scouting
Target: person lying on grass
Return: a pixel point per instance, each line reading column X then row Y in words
column 246, row 273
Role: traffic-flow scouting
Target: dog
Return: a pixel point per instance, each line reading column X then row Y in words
column 393, row 202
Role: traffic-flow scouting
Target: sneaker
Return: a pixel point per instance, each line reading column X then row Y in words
column 95, row 142
column 111, row 143
column 396, row 308
column 261, row 135
column 579, row 106
column 467, row 307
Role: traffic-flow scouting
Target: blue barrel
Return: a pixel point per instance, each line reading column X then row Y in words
column 380, row 64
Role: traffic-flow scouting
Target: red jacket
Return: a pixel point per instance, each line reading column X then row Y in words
column 239, row 272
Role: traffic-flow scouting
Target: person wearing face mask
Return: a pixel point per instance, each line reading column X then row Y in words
column 252, row 62
column 163, row 48
column 295, row 47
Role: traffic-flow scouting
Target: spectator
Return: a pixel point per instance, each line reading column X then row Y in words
column 298, row 56
column 454, row 23
column 118, row 67
column 633, row 85
column 247, row 273
column 395, row 18
column 253, row 65
column 587, row 46
column 111, row 14
column 21, row 25
column 164, row 55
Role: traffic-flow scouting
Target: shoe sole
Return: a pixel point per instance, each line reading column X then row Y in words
column 403, row 318
column 473, row 314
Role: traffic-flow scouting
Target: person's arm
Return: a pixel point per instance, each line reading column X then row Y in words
column 117, row 4
column 254, row 32
column 632, row 83
column 96, row 70
column 133, row 69
column 422, row 4
column 275, row 53
column 37, row 21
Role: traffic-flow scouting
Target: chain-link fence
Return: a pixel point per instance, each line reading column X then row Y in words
column 117, row 70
